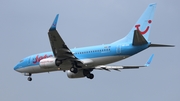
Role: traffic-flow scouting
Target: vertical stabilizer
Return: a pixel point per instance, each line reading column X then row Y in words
column 143, row 25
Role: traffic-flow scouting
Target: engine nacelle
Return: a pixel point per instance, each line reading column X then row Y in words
column 79, row 74
column 49, row 63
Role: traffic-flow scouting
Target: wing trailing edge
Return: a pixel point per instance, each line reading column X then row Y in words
column 118, row 68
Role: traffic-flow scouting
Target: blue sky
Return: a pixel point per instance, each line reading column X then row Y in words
column 24, row 26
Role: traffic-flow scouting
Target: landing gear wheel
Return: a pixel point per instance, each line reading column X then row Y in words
column 74, row 70
column 29, row 79
column 90, row 76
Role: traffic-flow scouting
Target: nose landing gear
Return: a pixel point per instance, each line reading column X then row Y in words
column 28, row 74
column 29, row 79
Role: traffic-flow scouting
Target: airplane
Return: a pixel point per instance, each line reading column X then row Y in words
column 80, row 62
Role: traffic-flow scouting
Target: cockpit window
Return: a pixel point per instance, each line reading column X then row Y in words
column 21, row 61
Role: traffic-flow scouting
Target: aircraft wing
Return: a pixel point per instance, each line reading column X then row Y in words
column 59, row 48
column 118, row 68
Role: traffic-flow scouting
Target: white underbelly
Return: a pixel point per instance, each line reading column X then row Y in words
column 67, row 66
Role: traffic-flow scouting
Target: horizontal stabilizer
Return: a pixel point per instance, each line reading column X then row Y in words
column 138, row 39
column 160, row 45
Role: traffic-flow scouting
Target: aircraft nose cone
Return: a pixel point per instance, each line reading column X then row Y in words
column 16, row 68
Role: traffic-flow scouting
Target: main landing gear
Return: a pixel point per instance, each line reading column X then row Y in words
column 73, row 69
column 88, row 74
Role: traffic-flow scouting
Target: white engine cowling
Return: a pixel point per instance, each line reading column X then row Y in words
column 48, row 63
column 79, row 74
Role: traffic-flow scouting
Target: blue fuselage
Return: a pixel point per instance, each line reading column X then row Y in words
column 101, row 53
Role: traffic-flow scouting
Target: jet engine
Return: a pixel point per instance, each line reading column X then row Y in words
column 79, row 74
column 49, row 63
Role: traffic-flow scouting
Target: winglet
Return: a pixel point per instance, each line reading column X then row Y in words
column 149, row 61
column 53, row 26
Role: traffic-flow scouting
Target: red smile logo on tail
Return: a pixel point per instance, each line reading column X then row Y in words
column 145, row 31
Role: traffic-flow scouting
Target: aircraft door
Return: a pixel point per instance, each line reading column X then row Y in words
column 118, row 49
column 29, row 60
